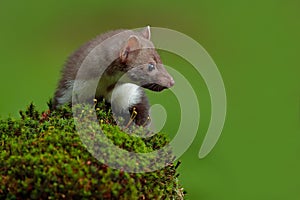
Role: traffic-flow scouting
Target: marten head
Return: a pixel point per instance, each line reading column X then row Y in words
column 142, row 63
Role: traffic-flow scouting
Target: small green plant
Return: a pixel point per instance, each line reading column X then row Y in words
column 42, row 157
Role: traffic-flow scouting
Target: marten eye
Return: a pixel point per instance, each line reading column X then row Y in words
column 151, row 67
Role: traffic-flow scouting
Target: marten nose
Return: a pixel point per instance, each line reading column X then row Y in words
column 172, row 82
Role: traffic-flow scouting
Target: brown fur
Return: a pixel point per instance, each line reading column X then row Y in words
column 129, row 56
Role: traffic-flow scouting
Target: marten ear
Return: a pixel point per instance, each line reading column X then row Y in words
column 131, row 45
column 146, row 33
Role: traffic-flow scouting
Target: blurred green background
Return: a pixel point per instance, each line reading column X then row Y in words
column 254, row 43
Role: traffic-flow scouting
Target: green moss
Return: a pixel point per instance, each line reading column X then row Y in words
column 42, row 157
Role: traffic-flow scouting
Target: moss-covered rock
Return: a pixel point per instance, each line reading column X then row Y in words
column 42, row 157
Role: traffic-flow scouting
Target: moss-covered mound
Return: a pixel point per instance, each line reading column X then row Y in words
column 42, row 157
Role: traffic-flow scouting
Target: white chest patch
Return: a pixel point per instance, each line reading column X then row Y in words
column 125, row 95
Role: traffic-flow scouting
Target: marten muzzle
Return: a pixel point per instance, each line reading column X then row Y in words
column 157, row 87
